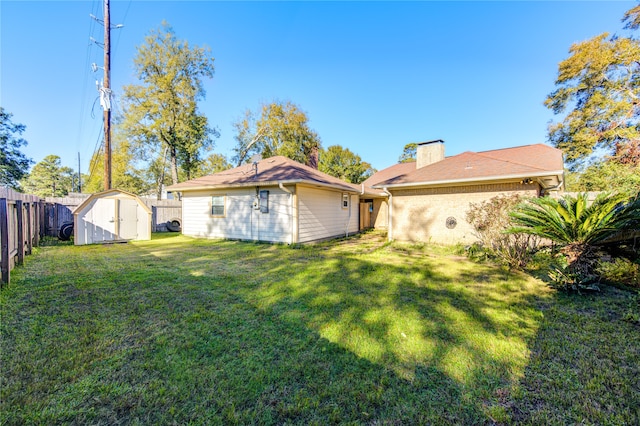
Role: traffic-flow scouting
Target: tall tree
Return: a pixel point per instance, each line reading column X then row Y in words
column 604, row 175
column 162, row 112
column 408, row 153
column 344, row 164
column 598, row 87
column 49, row 178
column 214, row 163
column 14, row 165
column 282, row 128
column 124, row 174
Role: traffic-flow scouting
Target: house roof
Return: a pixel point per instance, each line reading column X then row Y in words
column 270, row 171
column 397, row 170
column 529, row 161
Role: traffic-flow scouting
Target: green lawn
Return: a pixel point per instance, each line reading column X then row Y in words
column 184, row 331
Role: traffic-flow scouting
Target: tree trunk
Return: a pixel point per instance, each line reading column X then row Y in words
column 174, row 165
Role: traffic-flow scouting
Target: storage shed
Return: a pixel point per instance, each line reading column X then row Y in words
column 110, row 216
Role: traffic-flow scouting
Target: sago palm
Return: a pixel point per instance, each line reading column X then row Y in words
column 577, row 226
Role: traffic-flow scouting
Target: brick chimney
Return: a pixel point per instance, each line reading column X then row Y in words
column 429, row 152
column 312, row 161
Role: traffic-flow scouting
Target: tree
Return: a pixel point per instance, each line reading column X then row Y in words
column 409, row 153
column 49, row 178
column 14, row 165
column 124, row 174
column 214, row 163
column 604, row 175
column 281, row 129
column 162, row 113
column 344, row 164
column 599, row 86
column 580, row 227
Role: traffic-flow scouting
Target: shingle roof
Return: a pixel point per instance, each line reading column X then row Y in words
column 530, row 160
column 270, row 171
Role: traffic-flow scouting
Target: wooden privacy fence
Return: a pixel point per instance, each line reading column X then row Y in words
column 21, row 218
column 25, row 219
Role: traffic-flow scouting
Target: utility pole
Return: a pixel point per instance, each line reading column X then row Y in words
column 106, row 92
column 79, row 176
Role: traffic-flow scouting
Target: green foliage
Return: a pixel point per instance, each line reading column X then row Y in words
column 620, row 271
column 580, row 228
column 162, row 112
column 214, row 163
column 599, row 88
column 124, row 174
column 408, row 153
column 572, row 220
column 14, row 165
column 344, row 164
column 280, row 128
column 490, row 220
column 605, row 175
column 632, row 314
column 49, row 178
column 598, row 84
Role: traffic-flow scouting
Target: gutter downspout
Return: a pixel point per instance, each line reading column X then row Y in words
column 390, row 209
column 550, row 188
column 291, row 218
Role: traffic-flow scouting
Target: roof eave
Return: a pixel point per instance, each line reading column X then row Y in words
column 469, row 181
column 261, row 183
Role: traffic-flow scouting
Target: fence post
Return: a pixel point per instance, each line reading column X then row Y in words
column 5, row 263
column 20, row 232
column 37, row 214
column 29, row 230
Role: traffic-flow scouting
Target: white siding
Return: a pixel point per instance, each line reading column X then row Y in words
column 321, row 216
column 241, row 220
column 116, row 216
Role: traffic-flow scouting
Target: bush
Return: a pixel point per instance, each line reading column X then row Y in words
column 490, row 219
column 620, row 271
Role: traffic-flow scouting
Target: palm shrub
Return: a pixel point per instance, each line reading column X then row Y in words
column 582, row 230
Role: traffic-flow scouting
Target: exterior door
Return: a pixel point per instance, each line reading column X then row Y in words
column 127, row 219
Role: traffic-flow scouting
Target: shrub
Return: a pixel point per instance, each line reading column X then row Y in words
column 582, row 229
column 620, row 271
column 490, row 219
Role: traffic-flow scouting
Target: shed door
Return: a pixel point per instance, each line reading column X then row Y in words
column 127, row 219
column 101, row 223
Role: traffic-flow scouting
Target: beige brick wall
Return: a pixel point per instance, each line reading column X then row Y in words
column 421, row 214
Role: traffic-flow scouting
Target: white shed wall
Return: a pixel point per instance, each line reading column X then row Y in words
column 321, row 215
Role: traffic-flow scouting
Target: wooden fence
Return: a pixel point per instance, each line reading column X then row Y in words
column 21, row 227
column 25, row 219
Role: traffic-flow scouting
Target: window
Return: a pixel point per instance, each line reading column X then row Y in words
column 345, row 201
column 264, row 201
column 218, row 205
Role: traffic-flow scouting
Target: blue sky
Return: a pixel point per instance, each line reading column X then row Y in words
column 371, row 76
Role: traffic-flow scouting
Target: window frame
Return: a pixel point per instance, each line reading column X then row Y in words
column 346, row 200
column 223, row 205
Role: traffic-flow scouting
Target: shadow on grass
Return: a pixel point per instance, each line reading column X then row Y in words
column 585, row 363
column 179, row 330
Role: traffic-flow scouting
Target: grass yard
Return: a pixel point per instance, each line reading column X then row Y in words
column 183, row 331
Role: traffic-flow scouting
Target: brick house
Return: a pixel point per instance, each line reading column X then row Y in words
column 281, row 200
column 427, row 200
